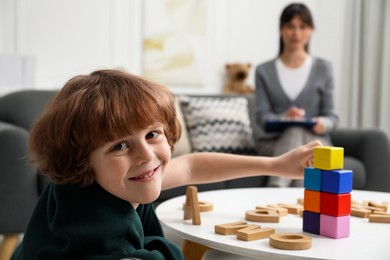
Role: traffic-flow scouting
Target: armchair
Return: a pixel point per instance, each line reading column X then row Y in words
column 20, row 183
column 367, row 149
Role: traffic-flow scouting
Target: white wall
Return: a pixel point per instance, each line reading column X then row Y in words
column 69, row 37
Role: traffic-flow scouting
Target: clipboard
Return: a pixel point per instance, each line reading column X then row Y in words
column 278, row 125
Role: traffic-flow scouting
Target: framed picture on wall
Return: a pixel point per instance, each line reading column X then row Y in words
column 176, row 42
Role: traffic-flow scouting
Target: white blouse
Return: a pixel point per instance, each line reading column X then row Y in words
column 293, row 80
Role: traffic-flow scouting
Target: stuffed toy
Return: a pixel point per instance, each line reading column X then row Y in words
column 237, row 74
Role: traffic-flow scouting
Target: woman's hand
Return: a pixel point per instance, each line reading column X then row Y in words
column 320, row 127
column 295, row 113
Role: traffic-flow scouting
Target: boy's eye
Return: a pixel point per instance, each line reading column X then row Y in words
column 152, row 135
column 120, row 146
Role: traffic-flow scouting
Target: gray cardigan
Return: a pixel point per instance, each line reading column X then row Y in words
column 316, row 97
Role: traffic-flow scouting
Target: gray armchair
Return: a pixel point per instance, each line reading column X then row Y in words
column 20, row 183
column 367, row 153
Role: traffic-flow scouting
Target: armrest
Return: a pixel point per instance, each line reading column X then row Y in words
column 18, row 180
column 371, row 147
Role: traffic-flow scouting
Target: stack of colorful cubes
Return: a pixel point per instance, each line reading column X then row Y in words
column 327, row 198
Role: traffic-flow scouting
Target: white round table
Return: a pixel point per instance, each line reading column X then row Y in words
column 366, row 241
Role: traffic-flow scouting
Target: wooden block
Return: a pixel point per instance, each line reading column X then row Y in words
column 379, row 218
column 334, row 227
column 356, row 203
column 337, row 181
column 335, row 204
column 203, row 206
column 229, row 228
column 191, row 209
column 311, row 222
column 384, row 205
column 360, row 212
column 254, row 232
column 292, row 208
column 300, row 213
column 328, row 157
column 380, row 213
column 373, row 208
column 281, row 211
column 312, row 201
column 312, row 179
column 290, row 241
column 300, row 201
column 261, row 215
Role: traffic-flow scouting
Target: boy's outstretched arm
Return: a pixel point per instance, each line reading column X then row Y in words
column 200, row 168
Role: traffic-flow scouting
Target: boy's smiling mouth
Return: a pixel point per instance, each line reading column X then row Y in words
column 145, row 176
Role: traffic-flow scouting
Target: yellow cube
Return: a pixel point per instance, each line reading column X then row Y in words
column 328, row 158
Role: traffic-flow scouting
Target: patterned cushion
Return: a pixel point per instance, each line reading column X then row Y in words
column 218, row 124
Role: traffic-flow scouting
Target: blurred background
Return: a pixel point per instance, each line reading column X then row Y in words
column 185, row 44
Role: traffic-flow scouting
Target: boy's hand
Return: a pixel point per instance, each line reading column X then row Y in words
column 294, row 162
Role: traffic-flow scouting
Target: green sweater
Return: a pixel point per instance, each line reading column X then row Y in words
column 89, row 223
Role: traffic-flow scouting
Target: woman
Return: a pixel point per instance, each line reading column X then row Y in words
column 295, row 85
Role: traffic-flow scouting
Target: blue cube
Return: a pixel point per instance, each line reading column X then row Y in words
column 312, row 179
column 337, row 181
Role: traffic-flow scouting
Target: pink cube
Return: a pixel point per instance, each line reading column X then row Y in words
column 334, row 227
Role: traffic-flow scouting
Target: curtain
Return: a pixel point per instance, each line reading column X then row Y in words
column 366, row 83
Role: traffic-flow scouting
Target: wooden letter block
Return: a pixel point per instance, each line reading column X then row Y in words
column 289, row 241
column 335, row 204
column 261, row 215
column 337, row 181
column 312, row 201
column 360, row 212
column 312, row 179
column 203, row 206
column 311, row 222
column 334, row 227
column 292, row 208
column 384, row 205
column 379, row 218
column 254, row 232
column 328, row 158
column 229, row 228
column 281, row 211
column 191, row 207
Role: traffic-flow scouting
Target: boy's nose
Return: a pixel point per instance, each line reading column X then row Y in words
column 143, row 153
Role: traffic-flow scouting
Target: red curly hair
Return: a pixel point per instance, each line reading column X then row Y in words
column 91, row 110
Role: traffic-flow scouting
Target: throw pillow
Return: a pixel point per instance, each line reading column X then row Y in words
column 183, row 146
column 218, row 124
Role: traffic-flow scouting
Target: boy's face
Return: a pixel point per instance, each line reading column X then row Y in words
column 131, row 168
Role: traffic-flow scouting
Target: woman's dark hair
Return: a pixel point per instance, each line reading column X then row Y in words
column 289, row 12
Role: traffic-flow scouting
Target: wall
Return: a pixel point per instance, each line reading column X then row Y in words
column 69, row 37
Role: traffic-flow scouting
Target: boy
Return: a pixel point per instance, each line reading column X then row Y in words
column 105, row 141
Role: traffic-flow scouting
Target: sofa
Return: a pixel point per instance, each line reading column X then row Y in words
column 367, row 151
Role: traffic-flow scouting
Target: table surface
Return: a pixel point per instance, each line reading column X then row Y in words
column 366, row 241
